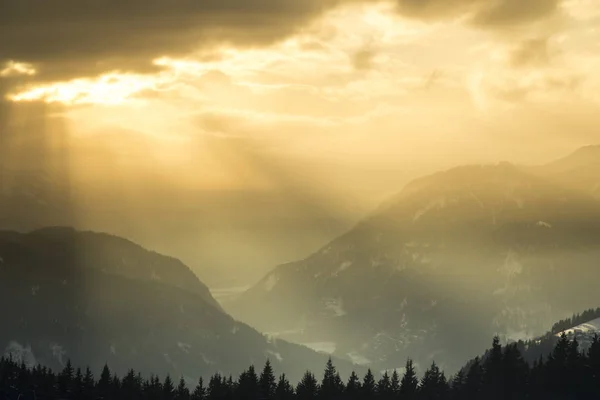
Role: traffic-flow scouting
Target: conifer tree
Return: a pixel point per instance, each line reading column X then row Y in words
column 267, row 382
column 168, row 388
column 384, row 387
column 331, row 387
column 409, row 382
column 395, row 384
column 284, row 390
column 474, row 382
column 433, row 385
column 353, row 387
column 308, row 387
column 182, row 392
column 199, row 392
column 104, row 382
column 368, row 387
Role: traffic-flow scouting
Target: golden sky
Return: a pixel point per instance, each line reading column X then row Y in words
column 329, row 98
column 350, row 82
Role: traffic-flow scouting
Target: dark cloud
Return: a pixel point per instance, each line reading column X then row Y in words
column 66, row 38
column 73, row 38
column 363, row 58
column 481, row 13
column 532, row 52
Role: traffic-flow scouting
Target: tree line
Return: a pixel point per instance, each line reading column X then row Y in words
column 502, row 373
column 576, row 319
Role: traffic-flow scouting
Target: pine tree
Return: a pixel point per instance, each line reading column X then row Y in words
column 267, row 382
column 168, row 389
column 199, row 392
column 368, row 387
column 384, row 387
column 353, row 387
column 308, row 387
column 515, row 372
column 104, row 382
column 182, row 392
column 247, row 387
column 433, row 385
column 78, row 387
column 395, row 384
column 65, row 379
column 492, row 371
column 409, row 382
column 474, row 382
column 457, row 385
column 284, row 390
column 332, row 387
column 88, row 384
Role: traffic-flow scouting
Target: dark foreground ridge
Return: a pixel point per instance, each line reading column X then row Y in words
column 566, row 373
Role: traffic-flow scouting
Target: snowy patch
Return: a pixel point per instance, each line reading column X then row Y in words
column 326, row 250
column 184, row 347
column 271, row 282
column 58, row 353
column 336, row 305
column 543, row 224
column 64, row 282
column 155, row 277
column 435, row 204
column 588, row 327
column 168, row 359
column 376, row 263
column 20, row 354
column 206, row 360
column 321, row 347
column 1, row 260
column 276, row 355
column 225, row 294
column 358, row 359
column 511, row 266
column 235, row 330
column 343, row 266
column 113, row 349
column 34, row 290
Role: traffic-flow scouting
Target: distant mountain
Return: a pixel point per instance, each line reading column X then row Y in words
column 579, row 170
column 451, row 260
column 95, row 299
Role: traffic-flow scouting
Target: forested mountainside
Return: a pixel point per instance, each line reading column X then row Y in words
column 567, row 373
column 454, row 258
column 93, row 298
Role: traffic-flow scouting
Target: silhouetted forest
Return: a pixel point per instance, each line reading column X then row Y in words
column 576, row 319
column 503, row 373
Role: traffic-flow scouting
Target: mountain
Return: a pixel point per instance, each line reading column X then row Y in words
column 451, row 260
column 94, row 298
column 579, row 170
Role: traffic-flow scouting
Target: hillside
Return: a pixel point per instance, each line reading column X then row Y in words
column 94, row 298
column 451, row 260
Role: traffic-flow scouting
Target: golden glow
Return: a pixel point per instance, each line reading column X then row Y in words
column 13, row 68
column 111, row 88
column 363, row 84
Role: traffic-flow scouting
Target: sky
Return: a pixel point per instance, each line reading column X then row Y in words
column 261, row 115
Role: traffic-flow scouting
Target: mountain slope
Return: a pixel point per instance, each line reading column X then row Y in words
column 452, row 259
column 94, row 298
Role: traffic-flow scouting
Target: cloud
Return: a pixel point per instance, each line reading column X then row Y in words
column 63, row 39
column 82, row 37
column 532, row 52
column 480, row 13
column 363, row 58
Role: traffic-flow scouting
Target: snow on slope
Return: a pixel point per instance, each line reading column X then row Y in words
column 589, row 327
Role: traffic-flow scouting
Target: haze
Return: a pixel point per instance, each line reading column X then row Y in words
column 237, row 135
